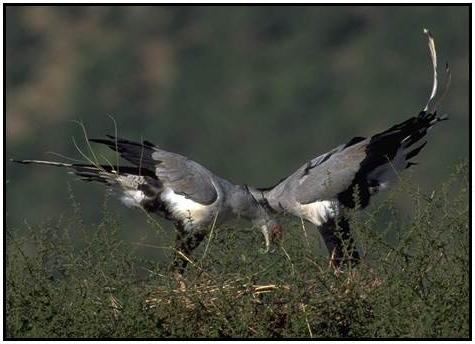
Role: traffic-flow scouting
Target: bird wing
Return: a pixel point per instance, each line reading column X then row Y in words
column 370, row 164
column 184, row 176
column 324, row 177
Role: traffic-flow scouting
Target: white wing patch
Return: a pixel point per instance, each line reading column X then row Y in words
column 132, row 198
column 184, row 208
column 318, row 212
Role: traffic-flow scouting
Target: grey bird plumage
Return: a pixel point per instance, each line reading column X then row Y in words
column 320, row 189
column 176, row 188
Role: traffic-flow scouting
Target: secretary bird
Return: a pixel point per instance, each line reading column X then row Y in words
column 176, row 188
column 321, row 188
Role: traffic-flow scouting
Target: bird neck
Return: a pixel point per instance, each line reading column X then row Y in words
column 263, row 197
column 240, row 201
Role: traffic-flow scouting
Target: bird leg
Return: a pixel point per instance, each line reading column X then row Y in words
column 339, row 242
column 185, row 243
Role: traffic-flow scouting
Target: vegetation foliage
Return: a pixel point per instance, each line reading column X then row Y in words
column 68, row 278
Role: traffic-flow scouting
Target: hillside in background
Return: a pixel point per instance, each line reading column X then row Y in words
column 249, row 91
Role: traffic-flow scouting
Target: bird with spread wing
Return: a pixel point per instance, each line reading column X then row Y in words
column 176, row 188
column 350, row 174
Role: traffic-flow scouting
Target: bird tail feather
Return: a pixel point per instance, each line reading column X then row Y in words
column 100, row 173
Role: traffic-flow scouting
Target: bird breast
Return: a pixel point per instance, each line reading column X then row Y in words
column 191, row 213
column 318, row 212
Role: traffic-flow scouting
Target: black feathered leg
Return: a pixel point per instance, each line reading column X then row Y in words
column 339, row 242
column 181, row 251
column 185, row 243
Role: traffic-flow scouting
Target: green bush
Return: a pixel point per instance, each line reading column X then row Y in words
column 67, row 280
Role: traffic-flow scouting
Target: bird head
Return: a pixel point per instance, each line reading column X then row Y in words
column 273, row 232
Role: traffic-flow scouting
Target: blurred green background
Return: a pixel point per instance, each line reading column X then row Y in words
column 251, row 92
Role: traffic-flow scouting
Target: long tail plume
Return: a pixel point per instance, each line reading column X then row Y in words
column 432, row 102
column 433, row 58
column 42, row 162
column 100, row 173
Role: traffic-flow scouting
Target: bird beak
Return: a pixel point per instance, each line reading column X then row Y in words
column 266, row 233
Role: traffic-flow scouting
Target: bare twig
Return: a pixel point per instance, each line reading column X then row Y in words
column 116, row 138
column 209, row 237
